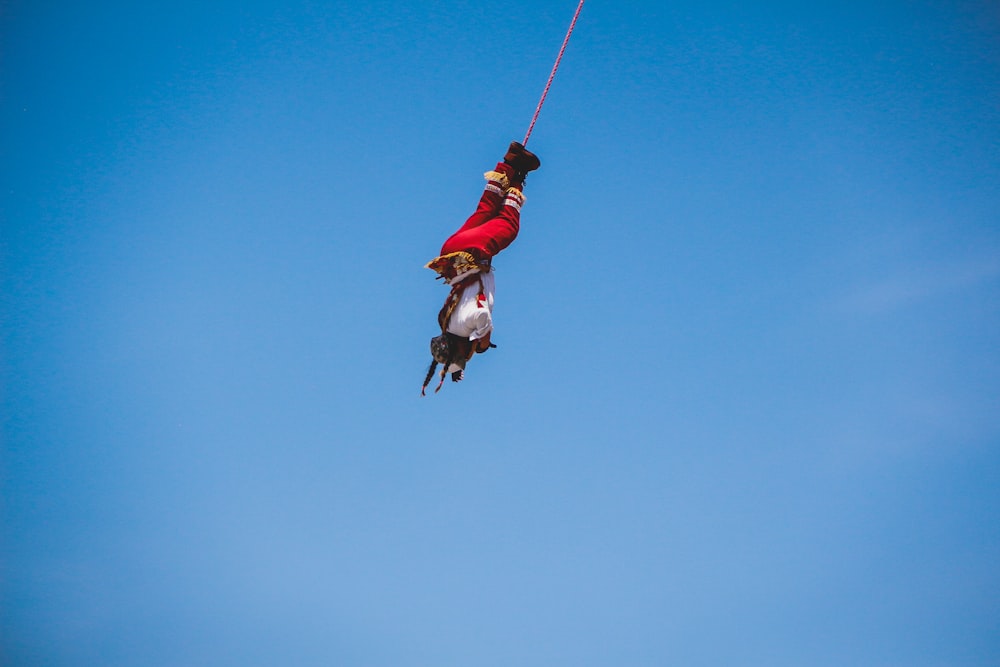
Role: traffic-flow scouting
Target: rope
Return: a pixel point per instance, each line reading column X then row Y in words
column 553, row 74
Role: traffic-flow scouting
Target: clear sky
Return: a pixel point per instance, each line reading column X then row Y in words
column 745, row 408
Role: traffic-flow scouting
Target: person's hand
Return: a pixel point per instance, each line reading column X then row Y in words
column 482, row 344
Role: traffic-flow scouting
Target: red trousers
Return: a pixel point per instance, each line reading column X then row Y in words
column 495, row 223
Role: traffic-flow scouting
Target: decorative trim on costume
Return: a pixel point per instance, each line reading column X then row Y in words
column 455, row 266
column 515, row 199
column 497, row 179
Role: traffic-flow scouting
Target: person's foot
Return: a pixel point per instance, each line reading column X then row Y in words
column 521, row 158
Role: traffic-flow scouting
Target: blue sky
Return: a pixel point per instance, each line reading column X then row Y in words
column 745, row 408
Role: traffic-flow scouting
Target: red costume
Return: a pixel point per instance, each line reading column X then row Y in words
column 466, row 264
column 497, row 219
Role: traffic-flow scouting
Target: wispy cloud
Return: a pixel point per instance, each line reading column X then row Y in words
column 913, row 285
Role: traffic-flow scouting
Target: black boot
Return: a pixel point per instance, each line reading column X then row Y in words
column 521, row 159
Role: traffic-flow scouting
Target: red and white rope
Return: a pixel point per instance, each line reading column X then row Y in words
column 553, row 74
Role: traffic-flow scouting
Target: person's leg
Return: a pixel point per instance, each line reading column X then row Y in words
column 496, row 222
column 490, row 205
column 490, row 237
column 497, row 233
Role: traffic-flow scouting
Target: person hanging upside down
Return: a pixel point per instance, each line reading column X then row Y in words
column 465, row 264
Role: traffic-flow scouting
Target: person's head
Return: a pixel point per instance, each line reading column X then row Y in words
column 452, row 352
column 449, row 348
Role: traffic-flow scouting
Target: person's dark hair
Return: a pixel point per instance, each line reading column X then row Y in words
column 446, row 350
column 430, row 374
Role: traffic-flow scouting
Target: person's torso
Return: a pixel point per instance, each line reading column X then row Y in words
column 473, row 316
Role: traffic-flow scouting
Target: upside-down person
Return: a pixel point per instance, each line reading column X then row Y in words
column 465, row 264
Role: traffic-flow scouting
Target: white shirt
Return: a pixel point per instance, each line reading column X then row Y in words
column 472, row 318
